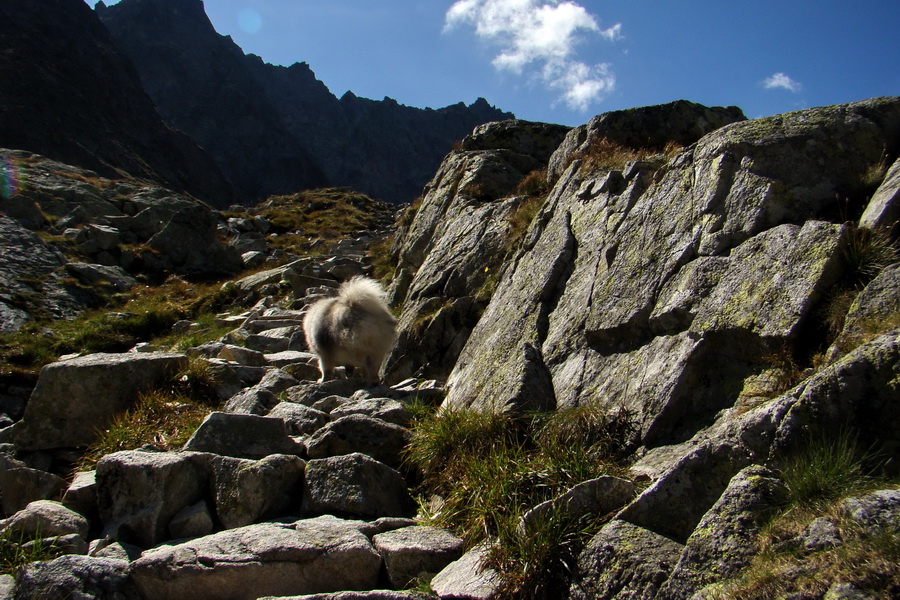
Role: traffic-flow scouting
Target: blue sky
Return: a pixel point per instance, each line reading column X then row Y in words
column 564, row 61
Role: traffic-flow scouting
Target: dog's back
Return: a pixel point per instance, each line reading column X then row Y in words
column 354, row 329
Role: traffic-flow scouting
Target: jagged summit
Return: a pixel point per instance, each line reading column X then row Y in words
column 275, row 129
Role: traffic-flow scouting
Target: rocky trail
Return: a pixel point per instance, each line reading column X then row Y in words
column 293, row 487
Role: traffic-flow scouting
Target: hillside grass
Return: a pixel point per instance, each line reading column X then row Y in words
column 817, row 479
column 328, row 213
column 141, row 315
column 481, row 471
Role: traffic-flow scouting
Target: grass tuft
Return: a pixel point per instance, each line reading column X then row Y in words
column 482, row 471
column 19, row 549
column 866, row 252
column 164, row 419
column 605, row 154
column 534, row 184
column 520, row 220
column 827, row 468
column 818, row 478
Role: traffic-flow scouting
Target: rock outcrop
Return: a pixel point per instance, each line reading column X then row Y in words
column 301, row 135
column 620, row 295
column 71, row 237
column 457, row 241
column 74, row 397
column 687, row 289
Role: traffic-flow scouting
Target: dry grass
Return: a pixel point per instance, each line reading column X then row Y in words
column 164, row 419
column 533, row 184
column 605, row 154
column 520, row 220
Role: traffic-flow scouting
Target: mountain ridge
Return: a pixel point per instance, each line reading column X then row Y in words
column 275, row 129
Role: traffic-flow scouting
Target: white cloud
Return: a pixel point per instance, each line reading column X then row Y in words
column 541, row 37
column 780, row 80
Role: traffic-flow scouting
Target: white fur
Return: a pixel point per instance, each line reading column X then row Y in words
column 354, row 329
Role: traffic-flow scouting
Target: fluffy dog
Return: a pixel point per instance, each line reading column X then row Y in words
column 354, row 329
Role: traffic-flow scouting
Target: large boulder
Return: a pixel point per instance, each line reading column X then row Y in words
column 468, row 577
column 242, row 436
column 624, row 555
column 75, row 398
column 44, row 518
column 21, row 485
column 78, row 577
column 883, row 211
column 189, row 243
column 725, row 540
column 248, row 491
column 355, row 485
column 379, row 439
column 139, row 493
column 268, row 559
column 412, row 552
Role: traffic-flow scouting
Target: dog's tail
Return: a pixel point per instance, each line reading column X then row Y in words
column 364, row 293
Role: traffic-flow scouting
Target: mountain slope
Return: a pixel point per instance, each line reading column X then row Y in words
column 277, row 129
column 66, row 92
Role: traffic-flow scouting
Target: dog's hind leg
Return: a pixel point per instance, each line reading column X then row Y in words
column 326, row 368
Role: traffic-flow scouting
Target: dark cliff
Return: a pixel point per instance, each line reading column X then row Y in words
column 275, row 129
column 66, row 92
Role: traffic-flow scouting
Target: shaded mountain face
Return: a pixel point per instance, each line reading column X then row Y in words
column 275, row 129
column 66, row 92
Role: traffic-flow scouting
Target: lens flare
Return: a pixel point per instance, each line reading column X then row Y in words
column 10, row 182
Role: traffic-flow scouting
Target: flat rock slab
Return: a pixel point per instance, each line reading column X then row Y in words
column 269, row 559
column 242, row 436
